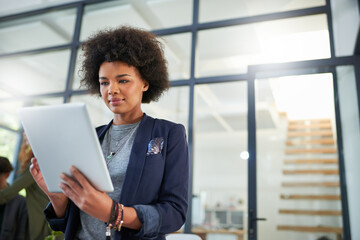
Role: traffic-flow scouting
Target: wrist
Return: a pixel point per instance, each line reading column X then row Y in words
column 116, row 218
column 113, row 213
column 59, row 205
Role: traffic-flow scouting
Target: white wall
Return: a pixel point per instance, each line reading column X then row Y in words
column 345, row 15
column 351, row 139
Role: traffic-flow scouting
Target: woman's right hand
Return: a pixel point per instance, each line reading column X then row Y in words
column 58, row 200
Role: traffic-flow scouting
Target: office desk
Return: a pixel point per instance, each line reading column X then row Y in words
column 201, row 232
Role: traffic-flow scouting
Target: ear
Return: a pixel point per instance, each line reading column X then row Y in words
column 7, row 175
column 145, row 87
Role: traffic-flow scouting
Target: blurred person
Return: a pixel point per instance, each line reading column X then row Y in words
column 36, row 199
column 147, row 158
column 13, row 213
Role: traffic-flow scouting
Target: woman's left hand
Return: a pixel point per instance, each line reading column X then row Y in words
column 85, row 196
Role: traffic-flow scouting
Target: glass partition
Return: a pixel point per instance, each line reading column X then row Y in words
column 230, row 50
column 172, row 106
column 35, row 74
column 346, row 23
column 8, row 140
column 149, row 14
column 349, row 112
column 10, row 125
column 297, row 158
column 9, row 114
column 99, row 113
column 47, row 101
column 77, row 73
column 177, row 53
column 228, row 9
column 220, row 161
column 40, row 31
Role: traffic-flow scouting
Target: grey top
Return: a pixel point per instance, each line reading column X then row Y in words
column 117, row 143
column 119, row 140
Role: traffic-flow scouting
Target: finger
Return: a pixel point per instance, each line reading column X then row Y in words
column 83, row 181
column 34, row 167
column 33, row 161
column 68, row 191
column 71, row 182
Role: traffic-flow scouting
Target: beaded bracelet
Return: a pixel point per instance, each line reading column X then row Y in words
column 113, row 213
column 115, row 220
column 122, row 218
column 118, row 217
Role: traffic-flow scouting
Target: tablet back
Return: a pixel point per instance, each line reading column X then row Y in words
column 61, row 136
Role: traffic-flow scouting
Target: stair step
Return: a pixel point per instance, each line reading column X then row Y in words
column 310, row 121
column 312, row 171
column 310, row 150
column 310, row 184
column 309, row 197
column 310, row 126
column 311, row 212
column 312, row 161
column 310, row 134
column 322, row 229
column 321, row 141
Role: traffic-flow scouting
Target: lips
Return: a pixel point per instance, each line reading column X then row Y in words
column 116, row 101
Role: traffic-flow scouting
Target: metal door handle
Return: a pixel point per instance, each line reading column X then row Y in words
column 251, row 225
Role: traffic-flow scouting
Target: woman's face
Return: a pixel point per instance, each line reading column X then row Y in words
column 121, row 88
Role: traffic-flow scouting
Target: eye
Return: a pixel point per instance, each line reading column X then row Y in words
column 123, row 81
column 104, row 83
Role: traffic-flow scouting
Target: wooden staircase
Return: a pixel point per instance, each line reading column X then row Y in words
column 311, row 156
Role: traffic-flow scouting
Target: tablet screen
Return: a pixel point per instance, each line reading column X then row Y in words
column 61, row 136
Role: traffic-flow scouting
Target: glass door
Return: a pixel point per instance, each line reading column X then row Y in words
column 219, row 203
column 297, row 171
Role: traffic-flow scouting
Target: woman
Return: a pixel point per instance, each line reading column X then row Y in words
column 147, row 158
column 36, row 200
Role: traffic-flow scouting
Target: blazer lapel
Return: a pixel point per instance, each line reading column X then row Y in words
column 101, row 132
column 137, row 160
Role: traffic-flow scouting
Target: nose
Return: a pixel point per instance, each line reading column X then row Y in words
column 113, row 89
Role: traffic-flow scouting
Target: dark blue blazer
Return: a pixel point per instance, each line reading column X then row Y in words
column 160, row 180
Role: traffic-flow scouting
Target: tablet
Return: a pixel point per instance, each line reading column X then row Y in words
column 61, row 136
